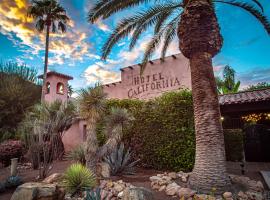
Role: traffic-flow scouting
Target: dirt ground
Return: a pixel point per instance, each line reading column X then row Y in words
column 140, row 179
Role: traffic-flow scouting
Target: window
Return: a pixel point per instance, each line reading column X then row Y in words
column 60, row 88
column 48, row 87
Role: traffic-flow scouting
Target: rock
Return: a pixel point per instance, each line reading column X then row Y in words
column 109, row 184
column 54, row 178
column 38, row 191
column 155, row 186
column 120, row 194
column 184, row 179
column 118, row 187
column 155, row 178
column 203, row 197
column 105, row 169
column 186, row 193
column 254, row 195
column 242, row 195
column 172, row 189
column 137, row 193
column 163, row 187
column 173, row 175
column 103, row 194
column 227, row 195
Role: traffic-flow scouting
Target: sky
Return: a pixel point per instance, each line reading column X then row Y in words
column 77, row 52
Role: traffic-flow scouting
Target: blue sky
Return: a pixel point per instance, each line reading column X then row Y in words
column 77, row 53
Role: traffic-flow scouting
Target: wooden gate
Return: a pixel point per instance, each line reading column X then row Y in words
column 257, row 143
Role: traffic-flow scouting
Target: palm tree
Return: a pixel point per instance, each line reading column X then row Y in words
column 195, row 23
column 227, row 85
column 49, row 15
column 91, row 103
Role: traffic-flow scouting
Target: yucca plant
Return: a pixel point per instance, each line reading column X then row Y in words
column 120, row 161
column 78, row 178
column 77, row 154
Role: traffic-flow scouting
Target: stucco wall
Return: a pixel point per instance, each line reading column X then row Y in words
column 53, row 95
column 157, row 78
column 75, row 135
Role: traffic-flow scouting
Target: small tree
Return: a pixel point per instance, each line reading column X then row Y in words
column 43, row 130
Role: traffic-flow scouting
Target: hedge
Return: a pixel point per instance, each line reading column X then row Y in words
column 162, row 135
column 234, row 144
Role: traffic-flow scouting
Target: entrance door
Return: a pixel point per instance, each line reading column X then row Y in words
column 257, row 143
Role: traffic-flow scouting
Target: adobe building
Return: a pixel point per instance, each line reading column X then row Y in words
column 158, row 77
column 57, row 89
column 170, row 74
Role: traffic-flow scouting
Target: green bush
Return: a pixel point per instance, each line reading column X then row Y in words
column 162, row 134
column 78, row 178
column 77, row 154
column 233, row 144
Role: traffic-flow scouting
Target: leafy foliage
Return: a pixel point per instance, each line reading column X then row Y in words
column 227, row 84
column 78, row 178
column 19, row 91
column 258, row 86
column 77, row 154
column 162, row 17
column 162, row 133
column 234, row 146
column 93, row 194
column 120, row 161
column 10, row 149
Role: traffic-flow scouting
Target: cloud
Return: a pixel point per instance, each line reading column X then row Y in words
column 20, row 29
column 254, row 76
column 102, row 26
column 97, row 73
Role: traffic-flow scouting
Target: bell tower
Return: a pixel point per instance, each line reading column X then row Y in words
column 56, row 86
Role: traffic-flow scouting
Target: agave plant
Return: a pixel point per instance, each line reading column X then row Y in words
column 120, row 161
column 78, row 178
column 93, row 194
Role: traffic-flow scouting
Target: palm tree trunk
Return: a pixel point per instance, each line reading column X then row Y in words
column 200, row 41
column 210, row 164
column 45, row 64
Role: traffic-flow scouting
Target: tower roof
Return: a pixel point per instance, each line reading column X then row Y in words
column 56, row 74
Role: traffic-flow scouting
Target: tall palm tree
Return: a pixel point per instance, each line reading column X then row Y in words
column 50, row 16
column 91, row 103
column 228, row 84
column 195, row 23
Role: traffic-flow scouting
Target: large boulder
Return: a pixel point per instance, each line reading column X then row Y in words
column 137, row 193
column 54, row 178
column 38, row 191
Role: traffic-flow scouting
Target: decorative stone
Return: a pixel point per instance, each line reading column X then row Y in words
column 173, row 175
column 186, row 193
column 227, row 195
column 38, row 191
column 120, row 194
column 163, row 187
column 53, row 178
column 242, row 195
column 155, row 178
column 172, row 189
column 118, row 187
column 137, row 193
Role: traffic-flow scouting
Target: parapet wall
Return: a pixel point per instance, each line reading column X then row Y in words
column 158, row 77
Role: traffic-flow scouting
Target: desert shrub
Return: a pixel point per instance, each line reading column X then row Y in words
column 10, row 149
column 13, row 181
column 233, row 144
column 93, row 194
column 77, row 154
column 120, row 161
column 77, row 178
column 162, row 134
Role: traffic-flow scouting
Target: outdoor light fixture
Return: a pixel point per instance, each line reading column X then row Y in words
column 222, row 118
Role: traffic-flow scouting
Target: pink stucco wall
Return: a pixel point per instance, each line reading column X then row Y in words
column 53, row 95
column 75, row 135
column 157, row 78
